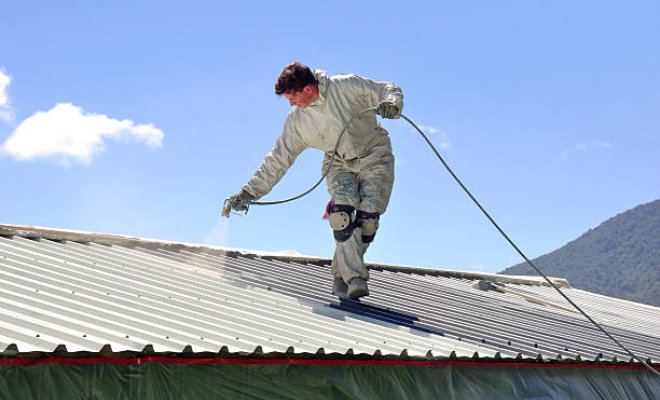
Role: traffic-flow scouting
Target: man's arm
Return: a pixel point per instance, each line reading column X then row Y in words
column 387, row 96
column 277, row 162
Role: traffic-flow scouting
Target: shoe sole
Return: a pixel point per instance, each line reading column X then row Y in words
column 356, row 294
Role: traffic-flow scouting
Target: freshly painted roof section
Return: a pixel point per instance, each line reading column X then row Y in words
column 85, row 291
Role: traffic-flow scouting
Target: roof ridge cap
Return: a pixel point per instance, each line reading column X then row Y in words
column 36, row 232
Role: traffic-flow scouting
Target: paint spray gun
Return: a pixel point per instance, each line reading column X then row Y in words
column 239, row 202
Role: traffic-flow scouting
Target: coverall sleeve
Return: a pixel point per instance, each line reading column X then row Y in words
column 380, row 91
column 277, row 162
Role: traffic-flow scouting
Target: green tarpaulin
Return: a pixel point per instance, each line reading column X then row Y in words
column 139, row 379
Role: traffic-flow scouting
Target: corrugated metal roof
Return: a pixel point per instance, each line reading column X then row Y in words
column 87, row 291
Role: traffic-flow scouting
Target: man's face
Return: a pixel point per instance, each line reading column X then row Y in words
column 302, row 98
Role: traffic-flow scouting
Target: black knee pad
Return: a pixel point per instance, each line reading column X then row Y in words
column 369, row 224
column 342, row 221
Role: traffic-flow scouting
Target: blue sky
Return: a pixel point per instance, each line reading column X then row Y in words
column 139, row 119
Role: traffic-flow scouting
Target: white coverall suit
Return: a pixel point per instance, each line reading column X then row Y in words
column 362, row 172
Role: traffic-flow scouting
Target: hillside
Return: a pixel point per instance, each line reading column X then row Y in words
column 619, row 258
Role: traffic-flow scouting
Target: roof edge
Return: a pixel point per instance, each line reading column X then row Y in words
column 106, row 355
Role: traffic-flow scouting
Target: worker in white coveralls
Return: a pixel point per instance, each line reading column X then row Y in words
column 361, row 175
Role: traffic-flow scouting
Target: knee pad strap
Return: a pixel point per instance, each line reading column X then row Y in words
column 341, row 221
column 369, row 224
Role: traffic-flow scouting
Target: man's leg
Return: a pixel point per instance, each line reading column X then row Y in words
column 365, row 184
column 347, row 263
column 376, row 179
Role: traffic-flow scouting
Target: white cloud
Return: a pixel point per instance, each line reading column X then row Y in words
column 5, row 80
column 604, row 145
column 5, row 110
column 440, row 138
column 428, row 129
column 580, row 147
column 586, row 146
column 67, row 134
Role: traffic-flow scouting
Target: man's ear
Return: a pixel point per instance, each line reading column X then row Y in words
column 311, row 89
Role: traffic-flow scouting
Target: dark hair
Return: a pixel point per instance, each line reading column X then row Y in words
column 294, row 78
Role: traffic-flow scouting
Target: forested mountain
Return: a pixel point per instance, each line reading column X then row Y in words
column 619, row 258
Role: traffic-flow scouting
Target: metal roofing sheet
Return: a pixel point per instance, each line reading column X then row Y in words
column 86, row 296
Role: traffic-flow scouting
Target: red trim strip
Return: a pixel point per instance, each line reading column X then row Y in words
column 220, row 360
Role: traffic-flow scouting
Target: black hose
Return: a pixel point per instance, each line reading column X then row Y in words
column 325, row 173
column 483, row 210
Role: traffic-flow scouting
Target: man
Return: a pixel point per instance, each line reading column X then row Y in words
column 361, row 175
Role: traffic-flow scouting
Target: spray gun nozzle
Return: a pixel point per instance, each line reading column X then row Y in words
column 226, row 208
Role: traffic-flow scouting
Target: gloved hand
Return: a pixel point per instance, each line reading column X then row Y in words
column 241, row 201
column 388, row 110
